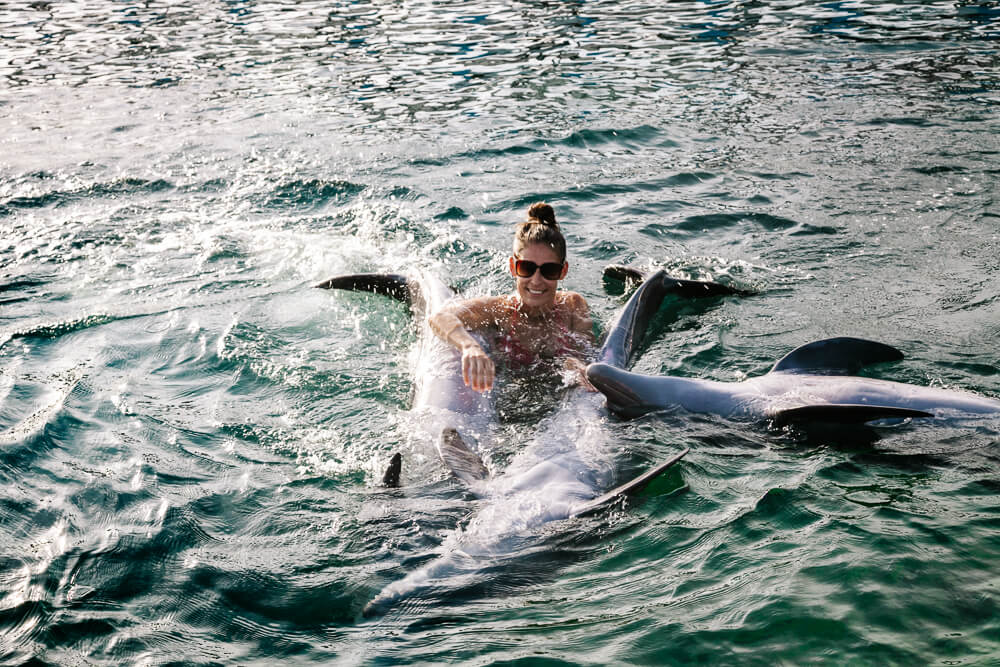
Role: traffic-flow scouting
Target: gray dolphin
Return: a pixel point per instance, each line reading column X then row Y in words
column 453, row 411
column 816, row 382
column 446, row 406
column 561, row 473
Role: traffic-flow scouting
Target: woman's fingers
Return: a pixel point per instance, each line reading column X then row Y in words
column 578, row 367
column 477, row 370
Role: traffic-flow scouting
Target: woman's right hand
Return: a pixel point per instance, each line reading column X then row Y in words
column 477, row 368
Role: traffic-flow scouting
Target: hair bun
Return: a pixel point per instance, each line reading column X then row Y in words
column 543, row 213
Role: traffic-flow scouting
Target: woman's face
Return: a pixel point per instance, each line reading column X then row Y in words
column 536, row 291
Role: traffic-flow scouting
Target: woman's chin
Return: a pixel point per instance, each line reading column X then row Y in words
column 543, row 300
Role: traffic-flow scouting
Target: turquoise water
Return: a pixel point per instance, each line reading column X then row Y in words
column 191, row 438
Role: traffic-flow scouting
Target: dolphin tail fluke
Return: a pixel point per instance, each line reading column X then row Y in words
column 623, row 274
column 844, row 414
column 627, row 489
column 463, row 462
column 388, row 284
column 630, row 275
column 626, row 333
column 391, row 476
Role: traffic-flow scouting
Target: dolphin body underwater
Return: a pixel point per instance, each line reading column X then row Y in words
column 816, row 382
column 560, row 474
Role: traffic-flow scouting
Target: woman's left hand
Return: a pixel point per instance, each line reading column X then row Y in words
column 578, row 367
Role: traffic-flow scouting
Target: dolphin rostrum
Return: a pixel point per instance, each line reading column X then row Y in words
column 816, row 382
column 561, row 473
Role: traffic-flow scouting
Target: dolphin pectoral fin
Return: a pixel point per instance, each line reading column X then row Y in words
column 387, row 284
column 391, row 476
column 836, row 356
column 844, row 414
column 464, row 463
column 627, row 489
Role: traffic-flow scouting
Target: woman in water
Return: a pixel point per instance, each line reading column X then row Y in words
column 537, row 322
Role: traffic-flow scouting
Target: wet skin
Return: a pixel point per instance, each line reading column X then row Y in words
column 538, row 297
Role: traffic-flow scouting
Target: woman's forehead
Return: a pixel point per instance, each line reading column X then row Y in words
column 538, row 252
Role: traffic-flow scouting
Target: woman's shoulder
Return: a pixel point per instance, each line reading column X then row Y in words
column 481, row 310
column 577, row 313
column 572, row 300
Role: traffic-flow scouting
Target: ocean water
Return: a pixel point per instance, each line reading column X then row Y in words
column 192, row 438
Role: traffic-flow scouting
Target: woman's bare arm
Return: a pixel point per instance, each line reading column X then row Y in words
column 582, row 327
column 580, row 322
column 453, row 324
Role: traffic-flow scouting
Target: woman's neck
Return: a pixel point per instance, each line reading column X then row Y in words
column 538, row 313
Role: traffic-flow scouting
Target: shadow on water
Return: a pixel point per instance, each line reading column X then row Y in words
column 910, row 441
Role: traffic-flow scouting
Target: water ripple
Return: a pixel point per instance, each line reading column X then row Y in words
column 191, row 437
column 420, row 61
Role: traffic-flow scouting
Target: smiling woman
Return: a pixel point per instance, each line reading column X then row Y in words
column 538, row 322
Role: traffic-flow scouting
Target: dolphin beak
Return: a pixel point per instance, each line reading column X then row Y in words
column 609, row 381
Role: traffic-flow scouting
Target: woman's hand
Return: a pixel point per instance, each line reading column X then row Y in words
column 477, row 368
column 579, row 368
column 452, row 324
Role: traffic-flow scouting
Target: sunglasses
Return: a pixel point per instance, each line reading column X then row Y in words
column 525, row 269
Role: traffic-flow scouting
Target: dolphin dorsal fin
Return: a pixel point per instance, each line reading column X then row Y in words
column 836, row 356
column 391, row 476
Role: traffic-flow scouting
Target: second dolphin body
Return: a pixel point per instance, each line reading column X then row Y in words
column 816, row 382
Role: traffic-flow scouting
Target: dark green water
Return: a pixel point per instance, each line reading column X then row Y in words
column 191, row 438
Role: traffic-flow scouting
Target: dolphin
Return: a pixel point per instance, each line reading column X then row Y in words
column 561, row 473
column 816, row 382
column 447, row 407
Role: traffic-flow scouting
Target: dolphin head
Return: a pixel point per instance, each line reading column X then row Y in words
column 628, row 394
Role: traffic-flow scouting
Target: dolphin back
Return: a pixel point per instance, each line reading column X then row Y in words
column 449, row 408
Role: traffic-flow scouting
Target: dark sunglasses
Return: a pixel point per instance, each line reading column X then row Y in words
column 525, row 269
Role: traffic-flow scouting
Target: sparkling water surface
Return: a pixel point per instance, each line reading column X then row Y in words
column 192, row 438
